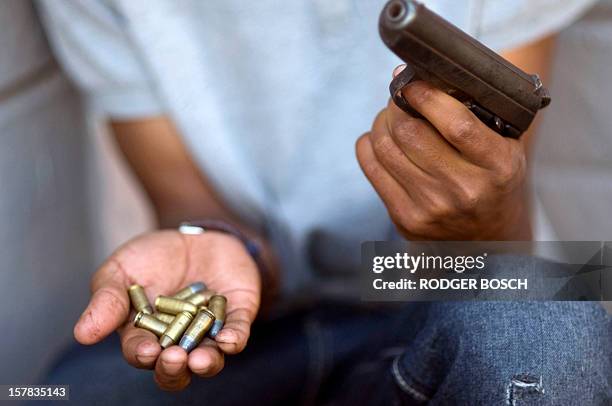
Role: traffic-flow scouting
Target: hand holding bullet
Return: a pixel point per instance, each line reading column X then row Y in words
column 162, row 263
column 177, row 318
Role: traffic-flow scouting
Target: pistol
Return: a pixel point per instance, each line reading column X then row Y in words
column 500, row 94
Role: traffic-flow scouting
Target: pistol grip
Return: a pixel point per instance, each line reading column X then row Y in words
column 408, row 75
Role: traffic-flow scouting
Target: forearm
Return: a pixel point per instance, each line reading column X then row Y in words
column 176, row 187
column 158, row 158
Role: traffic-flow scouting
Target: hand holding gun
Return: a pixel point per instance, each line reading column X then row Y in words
column 445, row 155
column 497, row 92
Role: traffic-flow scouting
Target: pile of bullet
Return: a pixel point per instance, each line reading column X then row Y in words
column 183, row 318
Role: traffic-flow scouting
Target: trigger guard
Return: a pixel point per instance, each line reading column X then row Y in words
column 397, row 84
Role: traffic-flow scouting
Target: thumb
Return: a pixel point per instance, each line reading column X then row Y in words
column 108, row 307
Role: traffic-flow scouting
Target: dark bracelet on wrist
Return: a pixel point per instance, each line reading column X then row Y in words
column 253, row 248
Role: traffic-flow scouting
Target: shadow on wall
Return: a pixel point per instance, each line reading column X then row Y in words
column 44, row 234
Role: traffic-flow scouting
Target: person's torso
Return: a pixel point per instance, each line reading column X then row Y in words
column 271, row 97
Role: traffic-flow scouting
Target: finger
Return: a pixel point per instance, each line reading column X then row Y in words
column 423, row 144
column 171, row 372
column 206, row 360
column 395, row 161
column 235, row 333
column 140, row 347
column 426, row 192
column 401, row 206
column 455, row 122
column 108, row 307
column 384, row 184
column 242, row 305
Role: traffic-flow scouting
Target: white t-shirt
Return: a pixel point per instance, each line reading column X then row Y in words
column 270, row 97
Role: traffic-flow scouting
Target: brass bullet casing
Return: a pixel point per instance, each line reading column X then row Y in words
column 217, row 306
column 165, row 317
column 176, row 329
column 148, row 322
column 170, row 305
column 198, row 328
column 189, row 290
column 139, row 299
column 201, row 298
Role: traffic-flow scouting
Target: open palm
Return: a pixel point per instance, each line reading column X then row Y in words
column 164, row 262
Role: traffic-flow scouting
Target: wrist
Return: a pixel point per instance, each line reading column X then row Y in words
column 520, row 230
column 257, row 250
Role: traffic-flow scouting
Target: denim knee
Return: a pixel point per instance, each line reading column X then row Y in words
column 503, row 351
column 572, row 332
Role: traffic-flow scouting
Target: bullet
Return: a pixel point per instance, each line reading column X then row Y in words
column 148, row 322
column 201, row 298
column 217, row 306
column 197, row 329
column 189, row 290
column 176, row 329
column 165, row 304
column 139, row 299
column 165, row 317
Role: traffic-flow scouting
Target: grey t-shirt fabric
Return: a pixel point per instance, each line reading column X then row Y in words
column 270, row 97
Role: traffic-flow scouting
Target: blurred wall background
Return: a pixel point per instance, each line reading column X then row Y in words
column 66, row 199
column 45, row 240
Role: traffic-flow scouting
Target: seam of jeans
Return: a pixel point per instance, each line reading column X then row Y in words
column 404, row 386
column 317, row 360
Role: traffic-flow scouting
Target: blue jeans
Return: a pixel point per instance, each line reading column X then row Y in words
column 489, row 353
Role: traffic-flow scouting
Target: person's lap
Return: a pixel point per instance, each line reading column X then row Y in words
column 495, row 353
column 285, row 361
column 488, row 352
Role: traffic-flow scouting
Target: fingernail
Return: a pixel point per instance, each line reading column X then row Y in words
column 398, row 69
